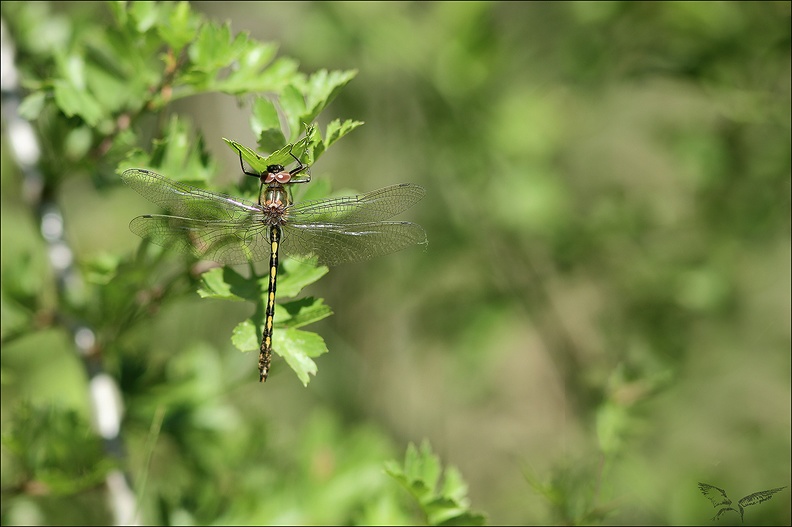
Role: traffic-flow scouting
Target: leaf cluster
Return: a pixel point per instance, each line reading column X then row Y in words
column 440, row 504
column 98, row 89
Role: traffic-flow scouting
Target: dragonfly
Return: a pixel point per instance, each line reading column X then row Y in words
column 231, row 230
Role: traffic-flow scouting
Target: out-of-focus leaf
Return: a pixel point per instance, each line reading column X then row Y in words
column 266, row 125
column 335, row 130
column 58, row 449
column 73, row 101
column 178, row 25
column 420, row 475
column 293, row 103
column 322, row 88
column 178, row 156
column 214, row 47
column 226, row 284
column 250, row 73
column 31, row 106
column 145, row 15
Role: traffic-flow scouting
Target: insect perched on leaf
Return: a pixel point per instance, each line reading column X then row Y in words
column 232, row 230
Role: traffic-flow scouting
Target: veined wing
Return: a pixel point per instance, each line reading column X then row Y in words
column 336, row 243
column 374, row 206
column 185, row 200
column 228, row 242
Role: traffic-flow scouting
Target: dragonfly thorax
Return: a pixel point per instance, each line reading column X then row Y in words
column 275, row 203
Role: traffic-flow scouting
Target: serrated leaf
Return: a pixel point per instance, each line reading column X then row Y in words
column 453, row 485
column 111, row 91
column 273, row 78
column 322, row 88
column 297, row 347
column 145, row 15
column 248, row 75
column 293, row 103
column 179, row 25
column 213, row 47
column 226, row 284
column 420, row 475
column 441, row 510
column 303, row 312
column 180, row 157
column 256, row 162
column 336, row 130
column 279, row 157
column 270, row 139
column 265, row 124
column 245, row 336
column 73, row 101
column 298, row 274
column 424, row 465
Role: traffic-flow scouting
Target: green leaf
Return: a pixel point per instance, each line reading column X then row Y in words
column 322, row 88
column 144, row 14
column 279, row 157
column 250, row 75
column 265, row 124
column 226, row 284
column 294, row 345
column 280, row 73
column 293, row 103
column 302, row 312
column 298, row 347
column 77, row 102
column 179, row 25
column 420, row 476
column 56, row 446
column 246, row 336
column 213, row 48
column 296, row 275
column 336, row 130
column 31, row 106
column 177, row 156
column 111, row 91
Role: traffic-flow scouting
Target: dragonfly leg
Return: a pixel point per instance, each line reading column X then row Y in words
column 242, row 164
column 300, row 168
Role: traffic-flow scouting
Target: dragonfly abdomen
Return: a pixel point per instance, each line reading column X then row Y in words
column 265, row 352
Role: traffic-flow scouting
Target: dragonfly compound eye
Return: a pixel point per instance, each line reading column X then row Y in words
column 283, row 177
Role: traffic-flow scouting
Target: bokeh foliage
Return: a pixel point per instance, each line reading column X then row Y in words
column 601, row 319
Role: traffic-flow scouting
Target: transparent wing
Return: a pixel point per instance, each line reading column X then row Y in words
column 187, row 201
column 334, row 244
column 228, row 242
column 234, row 231
column 374, row 206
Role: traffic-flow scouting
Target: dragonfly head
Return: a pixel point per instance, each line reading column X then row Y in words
column 276, row 173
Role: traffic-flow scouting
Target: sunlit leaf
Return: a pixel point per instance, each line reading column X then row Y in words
column 298, row 348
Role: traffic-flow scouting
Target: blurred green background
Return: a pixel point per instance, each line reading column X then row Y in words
column 601, row 319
